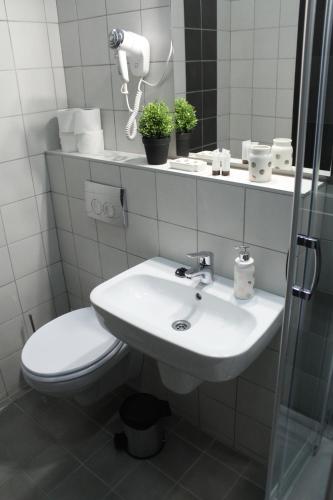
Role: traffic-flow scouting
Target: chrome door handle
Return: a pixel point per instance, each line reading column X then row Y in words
column 312, row 244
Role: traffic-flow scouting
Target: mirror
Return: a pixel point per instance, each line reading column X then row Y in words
column 235, row 62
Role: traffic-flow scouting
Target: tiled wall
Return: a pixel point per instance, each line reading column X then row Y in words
column 92, row 77
column 263, row 52
column 32, row 86
column 171, row 215
column 200, row 18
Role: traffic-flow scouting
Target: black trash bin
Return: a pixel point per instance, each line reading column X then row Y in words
column 141, row 415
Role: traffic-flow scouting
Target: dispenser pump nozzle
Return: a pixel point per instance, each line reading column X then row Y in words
column 244, row 254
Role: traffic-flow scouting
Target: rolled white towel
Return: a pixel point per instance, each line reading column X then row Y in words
column 87, row 120
column 90, row 142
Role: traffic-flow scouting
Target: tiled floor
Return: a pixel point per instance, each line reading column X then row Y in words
column 55, row 450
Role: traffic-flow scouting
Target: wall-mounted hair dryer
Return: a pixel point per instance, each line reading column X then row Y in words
column 133, row 50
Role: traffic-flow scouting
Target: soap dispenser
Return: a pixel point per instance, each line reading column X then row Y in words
column 244, row 274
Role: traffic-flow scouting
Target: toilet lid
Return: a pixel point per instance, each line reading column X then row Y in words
column 68, row 344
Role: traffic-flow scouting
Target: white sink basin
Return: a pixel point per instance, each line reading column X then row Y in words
column 226, row 335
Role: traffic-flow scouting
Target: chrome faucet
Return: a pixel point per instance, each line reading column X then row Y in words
column 205, row 268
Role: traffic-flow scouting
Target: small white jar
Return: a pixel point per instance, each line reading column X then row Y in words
column 260, row 163
column 282, row 152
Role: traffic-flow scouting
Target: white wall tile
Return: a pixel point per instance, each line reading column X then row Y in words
column 20, row 219
column 142, row 236
column 11, row 373
column 72, row 279
column 220, row 209
column 108, row 125
column 255, row 402
column 284, row 103
column 242, row 14
column 41, row 132
column 86, row 8
column 66, row 10
column 6, row 54
column 12, row 336
column 37, row 90
column 242, row 44
column 105, row 173
column 176, row 200
column 288, row 42
column 45, row 211
column 88, row 283
column 9, row 303
column 94, row 41
column 114, row 7
column 266, row 43
column 82, row 224
column 263, row 129
column 2, row 233
column 224, row 252
column 74, row 86
column 30, row 45
column 289, row 12
column 3, row 13
column 34, row 289
column 6, row 273
column 241, row 73
column 58, row 285
column 140, row 186
column 252, row 435
column 264, row 73
column 224, row 392
column 61, row 210
column 9, row 95
column 70, row 43
column 176, row 241
column 55, row 45
column 77, row 171
column 12, row 138
column 40, row 175
column 88, row 255
column 264, row 102
column 156, row 28
column 263, row 371
column 110, row 235
column 240, row 127
column 41, row 315
column 98, row 86
column 57, row 173
column 60, row 87
column 16, row 182
column 113, row 261
column 267, row 13
column 51, row 12
column 32, row 247
column 17, row 10
column 51, row 246
column 266, row 219
column 241, row 101
column 286, row 74
column 67, row 248
column 270, row 274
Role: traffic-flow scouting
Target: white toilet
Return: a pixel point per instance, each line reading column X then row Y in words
column 74, row 355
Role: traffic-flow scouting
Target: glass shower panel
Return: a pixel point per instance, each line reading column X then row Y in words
column 307, row 345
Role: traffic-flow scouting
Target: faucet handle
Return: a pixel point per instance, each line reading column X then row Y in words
column 205, row 258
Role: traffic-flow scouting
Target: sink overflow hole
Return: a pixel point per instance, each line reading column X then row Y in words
column 181, row 325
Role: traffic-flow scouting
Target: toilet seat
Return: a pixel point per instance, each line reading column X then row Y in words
column 69, row 347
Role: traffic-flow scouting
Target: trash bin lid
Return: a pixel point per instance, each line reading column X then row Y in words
column 141, row 411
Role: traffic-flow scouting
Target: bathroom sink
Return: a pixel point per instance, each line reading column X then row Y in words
column 195, row 332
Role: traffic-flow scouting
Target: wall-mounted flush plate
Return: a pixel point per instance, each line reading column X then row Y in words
column 105, row 203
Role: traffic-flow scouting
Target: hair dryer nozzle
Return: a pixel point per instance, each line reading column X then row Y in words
column 116, row 38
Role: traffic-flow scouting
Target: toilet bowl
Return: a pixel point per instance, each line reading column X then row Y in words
column 74, row 355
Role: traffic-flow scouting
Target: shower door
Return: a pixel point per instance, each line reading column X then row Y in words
column 305, row 370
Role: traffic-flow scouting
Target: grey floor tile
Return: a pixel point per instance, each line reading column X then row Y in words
column 111, row 465
column 209, row 479
column 144, row 483
column 112, row 496
column 51, row 467
column 20, row 437
column 179, row 493
column 195, row 436
column 21, row 488
column 81, row 485
column 103, row 411
column 176, row 457
column 256, row 473
column 65, row 423
column 244, row 490
column 233, row 459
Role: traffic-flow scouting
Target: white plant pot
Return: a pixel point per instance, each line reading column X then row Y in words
column 282, row 152
column 260, row 163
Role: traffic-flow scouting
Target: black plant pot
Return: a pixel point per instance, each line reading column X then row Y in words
column 157, row 149
column 183, row 142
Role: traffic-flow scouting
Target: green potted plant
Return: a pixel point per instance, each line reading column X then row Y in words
column 185, row 121
column 156, row 126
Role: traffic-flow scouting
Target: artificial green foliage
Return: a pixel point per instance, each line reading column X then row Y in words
column 156, row 120
column 185, row 116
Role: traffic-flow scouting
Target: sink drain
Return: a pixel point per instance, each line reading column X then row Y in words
column 181, row 325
